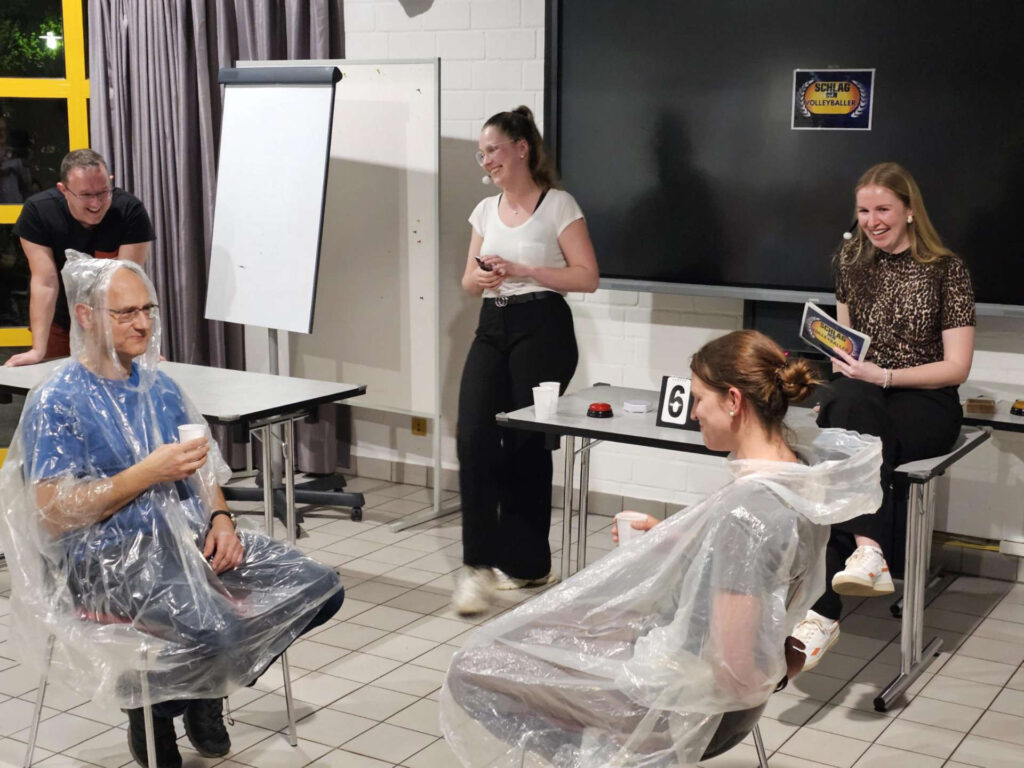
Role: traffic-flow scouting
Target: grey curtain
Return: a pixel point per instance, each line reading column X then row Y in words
column 155, row 113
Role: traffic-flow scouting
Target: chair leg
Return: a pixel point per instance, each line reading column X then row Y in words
column 38, row 712
column 147, row 710
column 293, row 739
column 762, row 757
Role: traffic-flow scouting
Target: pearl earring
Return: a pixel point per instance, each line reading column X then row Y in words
column 732, row 413
column 910, row 219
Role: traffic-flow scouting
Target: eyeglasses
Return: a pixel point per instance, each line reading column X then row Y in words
column 98, row 197
column 127, row 315
column 482, row 154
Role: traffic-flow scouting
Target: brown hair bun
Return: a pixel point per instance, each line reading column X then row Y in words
column 759, row 368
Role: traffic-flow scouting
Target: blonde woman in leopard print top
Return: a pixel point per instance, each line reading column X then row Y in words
column 898, row 283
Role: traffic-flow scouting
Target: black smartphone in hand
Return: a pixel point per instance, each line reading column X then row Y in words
column 484, row 265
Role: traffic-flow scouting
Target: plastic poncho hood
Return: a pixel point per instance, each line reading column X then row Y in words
column 116, row 592
column 633, row 661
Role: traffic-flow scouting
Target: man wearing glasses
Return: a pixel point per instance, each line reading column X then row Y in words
column 111, row 518
column 83, row 212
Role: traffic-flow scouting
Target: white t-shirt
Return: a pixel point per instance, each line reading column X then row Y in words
column 534, row 242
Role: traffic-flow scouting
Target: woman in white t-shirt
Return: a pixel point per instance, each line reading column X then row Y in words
column 529, row 247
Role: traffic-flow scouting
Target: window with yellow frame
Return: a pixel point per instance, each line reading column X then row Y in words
column 44, row 113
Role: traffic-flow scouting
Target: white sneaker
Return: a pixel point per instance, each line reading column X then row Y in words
column 818, row 634
column 866, row 574
column 503, row 581
column 475, row 591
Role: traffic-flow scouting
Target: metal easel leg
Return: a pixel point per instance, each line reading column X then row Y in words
column 913, row 658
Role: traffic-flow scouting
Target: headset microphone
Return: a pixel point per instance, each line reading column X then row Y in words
column 486, row 180
column 848, row 234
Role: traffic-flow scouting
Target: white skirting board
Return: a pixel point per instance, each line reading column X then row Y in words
column 1011, row 547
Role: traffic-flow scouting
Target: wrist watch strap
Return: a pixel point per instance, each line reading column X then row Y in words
column 229, row 513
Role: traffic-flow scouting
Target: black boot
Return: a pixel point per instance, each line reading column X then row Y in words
column 204, row 724
column 166, row 741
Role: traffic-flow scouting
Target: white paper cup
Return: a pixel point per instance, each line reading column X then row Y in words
column 188, row 432
column 555, row 385
column 624, row 525
column 545, row 402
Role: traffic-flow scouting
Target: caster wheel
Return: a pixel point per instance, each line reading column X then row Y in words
column 357, row 514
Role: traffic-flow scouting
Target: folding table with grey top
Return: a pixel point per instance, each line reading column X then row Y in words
column 256, row 401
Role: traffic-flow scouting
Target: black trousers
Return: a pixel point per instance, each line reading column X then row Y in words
column 505, row 474
column 913, row 424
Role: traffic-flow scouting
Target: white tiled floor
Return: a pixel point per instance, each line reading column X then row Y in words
column 366, row 684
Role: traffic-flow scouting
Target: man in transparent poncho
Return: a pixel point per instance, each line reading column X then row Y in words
column 112, row 525
column 635, row 660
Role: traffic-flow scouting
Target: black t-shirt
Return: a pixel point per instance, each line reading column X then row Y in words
column 45, row 220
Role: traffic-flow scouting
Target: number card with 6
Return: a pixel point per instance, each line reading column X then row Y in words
column 674, row 404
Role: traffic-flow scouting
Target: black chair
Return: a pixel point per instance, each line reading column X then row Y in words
column 732, row 729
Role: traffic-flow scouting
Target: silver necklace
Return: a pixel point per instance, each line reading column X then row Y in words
column 515, row 211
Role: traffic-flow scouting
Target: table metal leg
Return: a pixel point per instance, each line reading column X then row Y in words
column 569, row 446
column 268, row 488
column 289, row 478
column 913, row 658
column 581, row 542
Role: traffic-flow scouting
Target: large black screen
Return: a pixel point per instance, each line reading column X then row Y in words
column 671, row 125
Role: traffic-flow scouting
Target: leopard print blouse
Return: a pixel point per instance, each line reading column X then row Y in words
column 904, row 306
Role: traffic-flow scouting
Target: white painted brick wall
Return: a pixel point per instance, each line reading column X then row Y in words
column 412, row 45
column 359, row 17
column 447, row 15
column 391, row 17
column 533, row 14
column 465, row 105
column 366, row 45
column 492, row 58
column 515, row 44
column 495, row 14
column 460, row 45
column 497, row 76
column 456, row 76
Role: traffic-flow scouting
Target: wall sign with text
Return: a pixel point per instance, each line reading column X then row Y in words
column 674, row 404
column 833, row 99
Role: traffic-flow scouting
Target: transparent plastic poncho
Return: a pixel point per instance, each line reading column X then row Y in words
column 129, row 602
column 633, row 660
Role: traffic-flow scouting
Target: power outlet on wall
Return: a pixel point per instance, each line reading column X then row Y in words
column 419, row 426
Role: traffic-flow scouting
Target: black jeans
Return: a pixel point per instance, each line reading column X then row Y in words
column 505, row 475
column 913, row 424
